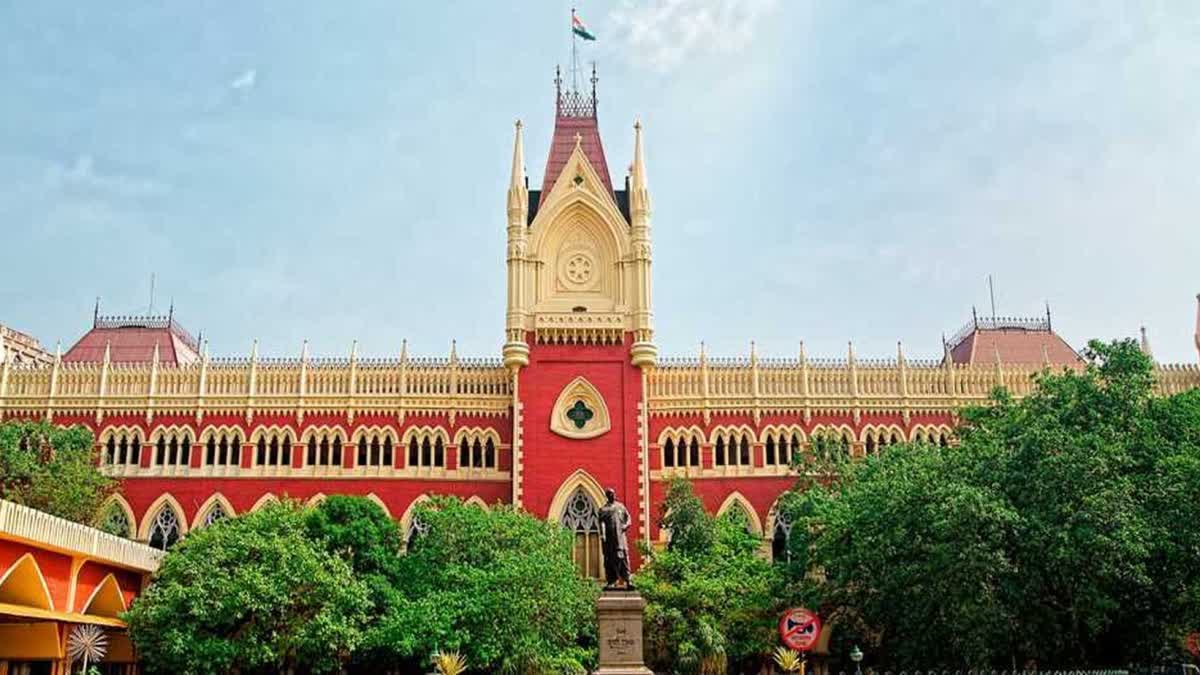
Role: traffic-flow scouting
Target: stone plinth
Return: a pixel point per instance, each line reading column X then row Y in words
column 619, row 615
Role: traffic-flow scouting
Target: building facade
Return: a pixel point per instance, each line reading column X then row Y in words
column 56, row 576
column 578, row 400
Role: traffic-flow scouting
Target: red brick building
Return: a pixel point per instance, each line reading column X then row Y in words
column 578, row 400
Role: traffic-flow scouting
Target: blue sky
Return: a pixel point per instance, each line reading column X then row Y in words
column 820, row 171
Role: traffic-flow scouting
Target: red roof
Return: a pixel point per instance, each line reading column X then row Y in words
column 568, row 122
column 132, row 340
column 1017, row 341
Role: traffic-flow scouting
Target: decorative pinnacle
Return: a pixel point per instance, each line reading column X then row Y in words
column 204, row 350
column 578, row 140
column 453, row 351
column 899, row 352
column 354, row 350
column 637, row 172
column 254, row 350
column 155, row 353
column 58, row 350
column 803, row 356
column 107, row 351
column 404, row 350
column 304, row 351
column 1145, row 344
column 517, row 180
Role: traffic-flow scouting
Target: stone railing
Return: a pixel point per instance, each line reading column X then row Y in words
column 31, row 525
column 801, row 385
column 353, row 386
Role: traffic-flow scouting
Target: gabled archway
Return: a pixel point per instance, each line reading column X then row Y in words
column 736, row 500
column 106, row 600
column 23, row 584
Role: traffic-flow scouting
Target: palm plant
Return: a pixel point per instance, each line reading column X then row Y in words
column 789, row 660
column 449, row 663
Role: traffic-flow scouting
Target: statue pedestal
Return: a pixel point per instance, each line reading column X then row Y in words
column 619, row 615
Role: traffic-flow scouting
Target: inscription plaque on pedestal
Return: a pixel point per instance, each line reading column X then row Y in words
column 619, row 615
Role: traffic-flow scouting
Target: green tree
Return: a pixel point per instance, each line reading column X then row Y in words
column 711, row 597
column 497, row 586
column 52, row 469
column 359, row 532
column 252, row 594
column 1063, row 529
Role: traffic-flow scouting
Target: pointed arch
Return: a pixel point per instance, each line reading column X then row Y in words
column 116, row 501
column 264, row 500
column 475, row 500
column 681, row 432
column 24, row 584
column 579, row 479
column 737, row 430
column 471, row 433
column 315, row 500
column 375, row 498
column 106, row 599
column 333, row 431
column 406, row 518
column 165, row 500
column 434, row 431
column 738, row 500
column 214, row 500
column 381, row 431
column 273, row 430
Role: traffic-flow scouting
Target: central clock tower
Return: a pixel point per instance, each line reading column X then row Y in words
column 579, row 324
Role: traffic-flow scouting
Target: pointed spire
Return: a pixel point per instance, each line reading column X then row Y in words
column 354, row 350
column 454, row 351
column 1049, row 326
column 850, row 350
column 638, row 171
column 753, row 352
column 899, row 352
column 204, row 350
column 1145, row 343
column 517, row 179
column 155, row 359
column 703, row 352
column 578, row 140
column 254, row 351
column 107, row 351
column 404, row 350
column 171, row 312
column 96, row 313
column 304, row 351
column 803, row 355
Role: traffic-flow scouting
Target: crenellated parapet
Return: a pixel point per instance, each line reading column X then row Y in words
column 252, row 386
column 683, row 386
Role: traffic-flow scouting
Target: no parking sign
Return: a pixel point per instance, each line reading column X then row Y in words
column 799, row 628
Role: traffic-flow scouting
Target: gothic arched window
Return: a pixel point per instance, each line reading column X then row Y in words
column 780, row 537
column 582, row 518
column 116, row 522
column 164, row 532
column 217, row 512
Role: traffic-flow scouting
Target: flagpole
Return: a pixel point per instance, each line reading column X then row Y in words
column 574, row 58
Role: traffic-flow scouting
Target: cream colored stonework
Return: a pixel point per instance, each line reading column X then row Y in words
column 580, row 390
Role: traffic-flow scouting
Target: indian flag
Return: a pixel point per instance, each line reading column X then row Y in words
column 579, row 29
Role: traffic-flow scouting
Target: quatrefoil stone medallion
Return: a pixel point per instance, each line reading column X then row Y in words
column 580, row 414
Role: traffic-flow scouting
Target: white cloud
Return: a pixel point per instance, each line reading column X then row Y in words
column 245, row 81
column 664, row 33
column 82, row 174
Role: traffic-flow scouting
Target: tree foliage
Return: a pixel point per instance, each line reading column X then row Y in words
column 252, row 594
column 711, row 597
column 51, row 469
column 497, row 586
column 1063, row 530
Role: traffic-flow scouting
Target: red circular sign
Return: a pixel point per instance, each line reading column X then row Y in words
column 1193, row 643
column 799, row 628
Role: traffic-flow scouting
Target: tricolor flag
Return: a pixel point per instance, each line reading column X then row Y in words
column 579, row 29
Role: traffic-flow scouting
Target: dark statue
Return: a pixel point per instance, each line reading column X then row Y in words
column 614, row 521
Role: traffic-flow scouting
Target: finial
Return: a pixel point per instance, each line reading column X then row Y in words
column 974, row 317
column 108, row 351
column 578, row 140
column 96, row 313
column 254, row 350
column 304, row 351
column 404, row 350
column 204, row 350
column 354, row 350
column 638, row 171
column 850, row 350
column 156, row 357
column 803, row 356
column 1049, row 326
column 171, row 312
column 517, row 180
column 703, row 351
column 1145, row 343
column 899, row 352
column 453, row 351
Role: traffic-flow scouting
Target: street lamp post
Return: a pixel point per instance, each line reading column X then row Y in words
column 856, row 656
